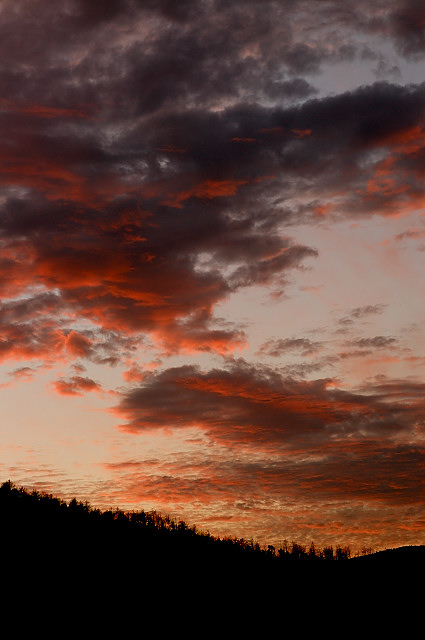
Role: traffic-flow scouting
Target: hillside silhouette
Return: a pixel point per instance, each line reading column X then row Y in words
column 55, row 524
column 43, row 530
column 407, row 555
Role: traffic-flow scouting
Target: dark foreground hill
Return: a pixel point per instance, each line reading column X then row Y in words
column 410, row 555
column 35, row 523
column 114, row 552
column 70, row 568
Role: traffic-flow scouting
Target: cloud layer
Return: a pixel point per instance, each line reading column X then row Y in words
column 161, row 159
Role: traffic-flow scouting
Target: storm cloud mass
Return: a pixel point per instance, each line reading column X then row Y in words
column 211, row 216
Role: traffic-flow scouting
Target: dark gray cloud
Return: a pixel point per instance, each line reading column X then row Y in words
column 408, row 24
column 257, row 406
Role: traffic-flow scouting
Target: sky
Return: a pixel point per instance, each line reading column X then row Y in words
column 212, row 246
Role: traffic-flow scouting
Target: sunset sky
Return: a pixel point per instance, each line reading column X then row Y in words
column 212, row 250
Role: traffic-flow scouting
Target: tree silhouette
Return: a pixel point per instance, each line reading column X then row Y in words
column 39, row 524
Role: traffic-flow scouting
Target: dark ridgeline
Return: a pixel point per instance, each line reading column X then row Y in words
column 41, row 533
column 33, row 519
column 400, row 555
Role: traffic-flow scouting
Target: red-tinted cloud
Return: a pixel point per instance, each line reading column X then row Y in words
column 352, row 493
column 117, row 218
column 319, row 459
column 75, row 386
column 259, row 407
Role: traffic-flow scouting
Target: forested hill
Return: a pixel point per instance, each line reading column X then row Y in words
column 41, row 521
column 39, row 526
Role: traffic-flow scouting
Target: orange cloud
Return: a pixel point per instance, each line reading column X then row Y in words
column 75, row 386
column 45, row 111
column 209, row 189
column 301, row 133
column 78, row 345
column 391, row 186
column 236, row 139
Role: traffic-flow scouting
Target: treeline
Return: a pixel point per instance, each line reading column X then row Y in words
column 40, row 521
column 295, row 551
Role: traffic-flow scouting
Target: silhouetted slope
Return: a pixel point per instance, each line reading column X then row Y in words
column 39, row 529
column 399, row 555
column 70, row 564
column 40, row 525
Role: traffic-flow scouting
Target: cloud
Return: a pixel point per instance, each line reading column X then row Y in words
column 307, row 456
column 156, row 157
column 359, row 313
column 368, row 309
column 351, row 489
column 78, row 345
column 277, row 347
column 378, row 342
column 259, row 407
column 19, row 375
column 408, row 25
column 75, row 386
column 23, row 372
column 131, row 195
column 131, row 265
